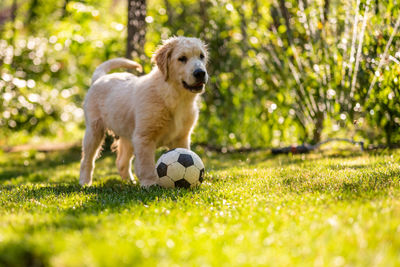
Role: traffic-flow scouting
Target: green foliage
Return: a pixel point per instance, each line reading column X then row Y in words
column 280, row 71
column 252, row 209
column 46, row 68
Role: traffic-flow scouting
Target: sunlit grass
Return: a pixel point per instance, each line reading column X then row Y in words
column 252, row 209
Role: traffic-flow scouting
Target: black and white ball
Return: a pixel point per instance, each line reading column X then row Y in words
column 180, row 167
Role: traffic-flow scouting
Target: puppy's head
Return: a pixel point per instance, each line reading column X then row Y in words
column 183, row 61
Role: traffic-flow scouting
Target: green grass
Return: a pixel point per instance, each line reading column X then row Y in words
column 253, row 209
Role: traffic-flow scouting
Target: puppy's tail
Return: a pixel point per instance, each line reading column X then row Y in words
column 115, row 63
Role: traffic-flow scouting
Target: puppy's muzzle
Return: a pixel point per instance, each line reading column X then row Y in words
column 201, row 79
column 200, row 75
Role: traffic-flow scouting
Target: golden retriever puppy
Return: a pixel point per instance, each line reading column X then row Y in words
column 146, row 112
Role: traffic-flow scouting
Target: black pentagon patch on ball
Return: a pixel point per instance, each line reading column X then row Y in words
column 182, row 183
column 201, row 178
column 162, row 169
column 186, row 160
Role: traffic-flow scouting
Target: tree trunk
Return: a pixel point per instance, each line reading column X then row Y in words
column 204, row 18
column 326, row 10
column 319, row 125
column 14, row 11
column 136, row 29
column 64, row 9
column 170, row 12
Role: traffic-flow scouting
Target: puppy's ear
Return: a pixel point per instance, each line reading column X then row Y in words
column 162, row 56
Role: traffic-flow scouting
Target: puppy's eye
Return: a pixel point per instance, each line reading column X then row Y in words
column 182, row 59
column 201, row 56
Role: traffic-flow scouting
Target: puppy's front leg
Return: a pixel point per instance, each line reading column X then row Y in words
column 144, row 162
column 182, row 142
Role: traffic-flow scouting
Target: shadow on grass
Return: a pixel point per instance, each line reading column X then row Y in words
column 28, row 163
column 113, row 195
column 22, row 253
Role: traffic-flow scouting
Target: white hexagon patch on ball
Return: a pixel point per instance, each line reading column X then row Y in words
column 180, row 167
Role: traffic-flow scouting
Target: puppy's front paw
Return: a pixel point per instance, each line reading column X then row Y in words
column 83, row 181
column 147, row 183
column 152, row 187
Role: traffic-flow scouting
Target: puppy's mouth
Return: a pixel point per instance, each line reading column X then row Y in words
column 195, row 88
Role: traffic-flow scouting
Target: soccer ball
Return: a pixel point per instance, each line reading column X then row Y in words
column 180, row 167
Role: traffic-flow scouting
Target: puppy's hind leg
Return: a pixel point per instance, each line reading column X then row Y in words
column 94, row 136
column 124, row 159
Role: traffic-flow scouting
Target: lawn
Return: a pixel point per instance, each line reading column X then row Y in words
column 338, row 209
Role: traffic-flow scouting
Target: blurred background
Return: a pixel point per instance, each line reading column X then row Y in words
column 281, row 72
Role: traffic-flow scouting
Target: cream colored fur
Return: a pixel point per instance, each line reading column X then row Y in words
column 146, row 112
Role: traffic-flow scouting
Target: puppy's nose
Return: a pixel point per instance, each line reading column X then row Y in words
column 199, row 74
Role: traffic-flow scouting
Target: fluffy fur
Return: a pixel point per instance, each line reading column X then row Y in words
column 146, row 112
